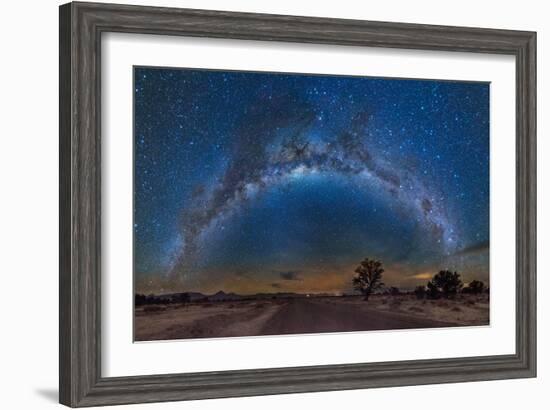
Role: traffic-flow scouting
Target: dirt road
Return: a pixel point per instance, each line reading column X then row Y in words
column 318, row 316
column 306, row 315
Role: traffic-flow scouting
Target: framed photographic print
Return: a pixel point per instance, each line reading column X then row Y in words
column 350, row 164
column 323, row 190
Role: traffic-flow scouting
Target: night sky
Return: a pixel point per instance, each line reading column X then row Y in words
column 266, row 182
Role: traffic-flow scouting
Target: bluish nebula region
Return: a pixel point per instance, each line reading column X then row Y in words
column 254, row 182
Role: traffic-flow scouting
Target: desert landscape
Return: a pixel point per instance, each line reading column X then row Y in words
column 227, row 315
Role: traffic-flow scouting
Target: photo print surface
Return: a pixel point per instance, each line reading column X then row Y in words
column 278, row 203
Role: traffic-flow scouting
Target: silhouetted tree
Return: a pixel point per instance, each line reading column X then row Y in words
column 420, row 292
column 432, row 291
column 369, row 277
column 475, row 287
column 445, row 283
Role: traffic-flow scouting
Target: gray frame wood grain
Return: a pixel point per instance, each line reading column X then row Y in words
column 81, row 27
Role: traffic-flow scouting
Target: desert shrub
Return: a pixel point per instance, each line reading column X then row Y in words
column 456, row 309
column 420, row 292
column 394, row 291
column 140, row 299
column 181, row 298
column 475, row 287
column 416, row 309
column 152, row 300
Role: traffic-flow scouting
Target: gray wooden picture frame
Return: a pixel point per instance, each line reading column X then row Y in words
column 81, row 27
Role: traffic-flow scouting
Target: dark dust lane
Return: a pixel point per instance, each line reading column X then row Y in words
column 316, row 316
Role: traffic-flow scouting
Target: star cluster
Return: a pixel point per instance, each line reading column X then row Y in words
column 242, row 178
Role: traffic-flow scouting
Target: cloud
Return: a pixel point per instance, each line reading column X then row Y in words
column 424, row 275
column 242, row 274
column 475, row 248
column 290, row 275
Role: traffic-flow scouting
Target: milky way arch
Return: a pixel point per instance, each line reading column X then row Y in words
column 263, row 158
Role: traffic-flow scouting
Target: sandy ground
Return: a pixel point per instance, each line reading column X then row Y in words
column 306, row 315
column 465, row 310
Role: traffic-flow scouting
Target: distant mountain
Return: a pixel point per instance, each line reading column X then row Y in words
column 278, row 295
column 221, row 296
column 194, row 296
